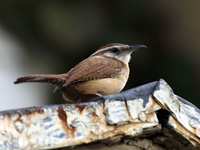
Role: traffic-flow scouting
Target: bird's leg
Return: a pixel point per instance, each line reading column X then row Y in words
column 100, row 97
column 98, row 94
column 79, row 101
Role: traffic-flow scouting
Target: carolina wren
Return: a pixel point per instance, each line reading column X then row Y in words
column 104, row 72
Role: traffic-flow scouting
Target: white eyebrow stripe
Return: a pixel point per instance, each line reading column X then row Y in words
column 106, row 48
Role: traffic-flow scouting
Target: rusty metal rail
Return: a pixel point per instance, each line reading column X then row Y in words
column 139, row 112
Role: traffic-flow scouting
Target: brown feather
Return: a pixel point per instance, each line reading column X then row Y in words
column 53, row 79
column 112, row 44
column 96, row 67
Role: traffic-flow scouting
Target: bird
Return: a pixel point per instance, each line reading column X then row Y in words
column 105, row 72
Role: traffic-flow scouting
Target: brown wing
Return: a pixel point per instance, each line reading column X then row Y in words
column 95, row 67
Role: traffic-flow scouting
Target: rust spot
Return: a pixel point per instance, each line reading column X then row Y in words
column 80, row 107
column 33, row 110
column 103, row 105
column 19, row 118
column 28, row 112
column 38, row 110
column 94, row 115
column 62, row 114
column 16, row 121
column 73, row 130
column 63, row 117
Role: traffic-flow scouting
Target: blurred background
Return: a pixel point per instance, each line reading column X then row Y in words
column 53, row 36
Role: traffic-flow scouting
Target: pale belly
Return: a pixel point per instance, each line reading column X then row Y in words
column 105, row 86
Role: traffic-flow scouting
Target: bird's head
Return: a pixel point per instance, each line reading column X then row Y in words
column 121, row 52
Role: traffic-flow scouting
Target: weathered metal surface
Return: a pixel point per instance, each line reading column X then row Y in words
column 67, row 125
column 132, row 113
column 184, row 116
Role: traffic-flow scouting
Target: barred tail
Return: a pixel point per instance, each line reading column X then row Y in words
column 51, row 78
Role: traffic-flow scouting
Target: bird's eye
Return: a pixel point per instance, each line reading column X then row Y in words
column 114, row 50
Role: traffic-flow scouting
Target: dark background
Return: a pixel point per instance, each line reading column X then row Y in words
column 59, row 34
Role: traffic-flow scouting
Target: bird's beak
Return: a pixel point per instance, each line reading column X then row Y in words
column 137, row 47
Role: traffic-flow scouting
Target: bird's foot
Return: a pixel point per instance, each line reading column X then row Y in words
column 100, row 98
column 79, row 101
